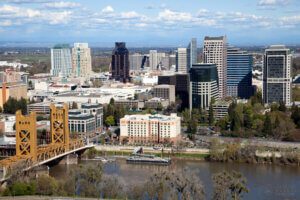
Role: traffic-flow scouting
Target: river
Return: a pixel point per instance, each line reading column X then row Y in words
column 263, row 181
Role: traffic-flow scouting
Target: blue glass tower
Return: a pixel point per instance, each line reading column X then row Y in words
column 239, row 73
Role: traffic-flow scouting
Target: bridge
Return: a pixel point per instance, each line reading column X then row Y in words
column 29, row 154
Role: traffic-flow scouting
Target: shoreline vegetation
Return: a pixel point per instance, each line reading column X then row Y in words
column 221, row 152
column 89, row 181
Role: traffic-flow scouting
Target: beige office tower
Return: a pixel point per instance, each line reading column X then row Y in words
column 81, row 60
column 215, row 52
column 181, row 60
column 156, row 59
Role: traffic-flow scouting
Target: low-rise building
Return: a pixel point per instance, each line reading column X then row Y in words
column 82, row 124
column 14, row 90
column 96, row 110
column 220, row 109
column 7, row 124
column 156, row 103
column 165, row 92
column 143, row 129
column 41, row 108
column 131, row 104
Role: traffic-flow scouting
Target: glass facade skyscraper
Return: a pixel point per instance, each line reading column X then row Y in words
column 120, row 63
column 61, row 62
column 192, row 54
column 277, row 75
column 215, row 52
column 239, row 73
column 203, row 85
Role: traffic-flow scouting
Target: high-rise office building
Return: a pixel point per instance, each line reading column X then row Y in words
column 277, row 75
column 192, row 54
column 203, row 85
column 61, row 64
column 136, row 61
column 81, row 60
column 215, row 52
column 156, row 59
column 181, row 82
column 120, row 62
column 181, row 60
column 153, row 59
column 239, row 73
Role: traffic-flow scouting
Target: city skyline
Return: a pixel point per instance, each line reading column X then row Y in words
column 151, row 23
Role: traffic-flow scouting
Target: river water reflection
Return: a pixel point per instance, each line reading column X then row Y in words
column 264, row 181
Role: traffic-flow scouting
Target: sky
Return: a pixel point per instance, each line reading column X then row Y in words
column 145, row 23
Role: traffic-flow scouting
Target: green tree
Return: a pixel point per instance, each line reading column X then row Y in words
column 112, row 102
column 171, row 185
column 110, row 121
column 46, row 185
column 21, row 189
column 192, row 128
column 211, row 118
column 12, row 105
column 256, row 98
column 160, row 107
column 186, row 116
column 119, row 112
column 229, row 185
column 296, row 115
column 282, row 106
column 267, row 129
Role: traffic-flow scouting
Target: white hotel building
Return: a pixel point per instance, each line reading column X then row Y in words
column 142, row 129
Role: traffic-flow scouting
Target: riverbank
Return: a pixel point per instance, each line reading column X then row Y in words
column 103, row 150
column 232, row 152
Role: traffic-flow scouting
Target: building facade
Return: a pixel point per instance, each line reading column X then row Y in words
column 277, row 75
column 166, row 92
column 220, row 109
column 13, row 90
column 136, row 61
column 143, row 129
column 82, row 124
column 157, row 60
column 61, row 64
column 192, row 54
column 96, row 110
column 203, row 85
column 81, row 60
column 181, row 82
column 181, row 60
column 239, row 73
column 120, row 62
column 215, row 52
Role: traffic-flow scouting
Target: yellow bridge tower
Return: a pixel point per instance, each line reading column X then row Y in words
column 59, row 125
column 26, row 137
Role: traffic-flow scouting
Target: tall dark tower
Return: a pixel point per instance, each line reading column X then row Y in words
column 120, row 62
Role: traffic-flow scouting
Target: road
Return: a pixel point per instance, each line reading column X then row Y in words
column 252, row 141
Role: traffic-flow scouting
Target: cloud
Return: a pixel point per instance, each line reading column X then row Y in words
column 8, row 11
column 6, row 23
column 130, row 15
column 26, row 1
column 290, row 21
column 108, row 9
column 272, row 3
column 173, row 16
column 57, row 14
column 59, row 17
column 62, row 5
